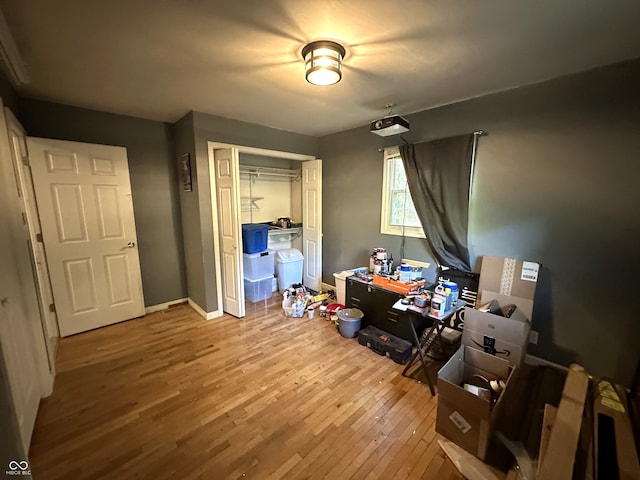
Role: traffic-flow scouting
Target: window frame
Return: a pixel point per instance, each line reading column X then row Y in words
column 386, row 228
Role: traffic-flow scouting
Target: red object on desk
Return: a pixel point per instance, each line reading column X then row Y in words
column 396, row 286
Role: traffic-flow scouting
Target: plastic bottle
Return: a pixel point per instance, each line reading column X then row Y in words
column 438, row 305
column 455, row 292
column 377, row 266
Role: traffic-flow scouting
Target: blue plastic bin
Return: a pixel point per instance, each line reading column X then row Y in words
column 254, row 237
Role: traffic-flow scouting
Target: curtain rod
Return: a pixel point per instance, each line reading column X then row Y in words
column 477, row 133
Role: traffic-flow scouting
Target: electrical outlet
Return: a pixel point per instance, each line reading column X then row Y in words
column 533, row 337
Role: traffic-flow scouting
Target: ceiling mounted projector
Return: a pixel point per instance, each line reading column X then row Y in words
column 390, row 125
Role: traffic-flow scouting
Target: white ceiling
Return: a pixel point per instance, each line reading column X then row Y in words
column 158, row 59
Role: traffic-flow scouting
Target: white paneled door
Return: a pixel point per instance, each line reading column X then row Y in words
column 228, row 198
column 312, row 224
column 84, row 198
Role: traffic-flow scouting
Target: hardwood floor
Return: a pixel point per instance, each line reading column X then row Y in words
column 171, row 395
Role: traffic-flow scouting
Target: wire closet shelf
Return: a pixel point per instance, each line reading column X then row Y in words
column 255, row 172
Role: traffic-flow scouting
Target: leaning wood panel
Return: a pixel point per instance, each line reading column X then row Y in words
column 560, row 453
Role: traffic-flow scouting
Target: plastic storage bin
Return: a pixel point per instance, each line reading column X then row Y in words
column 258, row 265
column 256, row 290
column 288, row 267
column 254, row 237
column 341, row 282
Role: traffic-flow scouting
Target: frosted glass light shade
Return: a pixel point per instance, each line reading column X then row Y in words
column 323, row 62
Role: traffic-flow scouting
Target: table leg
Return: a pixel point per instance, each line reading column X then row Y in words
column 419, row 352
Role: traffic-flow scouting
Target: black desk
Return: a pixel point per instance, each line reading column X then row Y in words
column 376, row 303
column 423, row 346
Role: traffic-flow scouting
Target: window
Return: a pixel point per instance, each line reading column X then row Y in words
column 398, row 216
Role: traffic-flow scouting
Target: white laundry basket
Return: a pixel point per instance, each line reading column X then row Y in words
column 288, row 267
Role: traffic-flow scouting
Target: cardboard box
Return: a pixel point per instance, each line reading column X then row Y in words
column 510, row 335
column 463, row 417
column 509, row 281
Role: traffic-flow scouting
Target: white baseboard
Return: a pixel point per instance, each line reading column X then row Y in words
column 162, row 306
column 327, row 286
column 537, row 361
column 214, row 314
column 202, row 313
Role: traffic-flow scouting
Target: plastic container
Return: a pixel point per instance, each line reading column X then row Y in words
column 453, row 288
column 254, row 237
column 256, row 290
column 349, row 321
column 258, row 265
column 438, row 305
column 404, row 272
column 288, row 267
column 294, row 306
column 341, row 284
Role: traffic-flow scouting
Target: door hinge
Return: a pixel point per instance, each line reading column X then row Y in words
column 52, row 308
column 25, row 161
column 39, row 238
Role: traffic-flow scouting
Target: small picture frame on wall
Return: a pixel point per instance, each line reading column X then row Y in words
column 185, row 169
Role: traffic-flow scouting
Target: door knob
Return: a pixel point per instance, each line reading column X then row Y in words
column 129, row 245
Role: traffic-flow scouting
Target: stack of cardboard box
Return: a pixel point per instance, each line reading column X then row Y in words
column 493, row 347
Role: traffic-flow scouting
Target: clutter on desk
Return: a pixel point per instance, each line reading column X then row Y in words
column 390, row 283
column 468, row 283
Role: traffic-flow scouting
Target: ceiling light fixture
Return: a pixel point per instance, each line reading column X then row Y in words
column 323, row 62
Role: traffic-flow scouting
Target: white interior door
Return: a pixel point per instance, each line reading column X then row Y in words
column 84, row 198
column 22, row 343
column 18, row 145
column 228, row 198
column 18, row 349
column 312, row 224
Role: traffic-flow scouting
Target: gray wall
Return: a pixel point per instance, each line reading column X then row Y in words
column 224, row 130
column 154, row 183
column 556, row 181
column 184, row 136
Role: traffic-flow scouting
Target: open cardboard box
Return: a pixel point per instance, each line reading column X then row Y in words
column 510, row 336
column 508, row 281
column 462, row 417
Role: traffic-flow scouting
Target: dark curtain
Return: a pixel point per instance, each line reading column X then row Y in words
column 439, row 174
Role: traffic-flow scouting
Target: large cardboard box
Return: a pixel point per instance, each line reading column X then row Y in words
column 508, row 337
column 509, row 281
column 464, row 418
